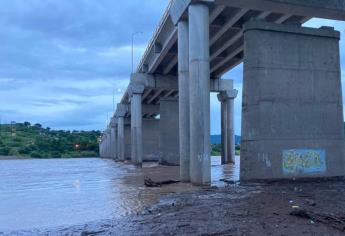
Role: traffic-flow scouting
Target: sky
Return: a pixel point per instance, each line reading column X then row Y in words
column 61, row 61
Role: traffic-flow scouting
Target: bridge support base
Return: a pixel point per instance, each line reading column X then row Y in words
column 292, row 117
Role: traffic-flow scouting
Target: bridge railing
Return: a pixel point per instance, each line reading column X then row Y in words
column 155, row 35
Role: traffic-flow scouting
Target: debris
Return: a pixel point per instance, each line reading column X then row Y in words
column 86, row 233
column 150, row 183
column 183, row 225
column 228, row 181
column 331, row 220
column 310, row 202
column 300, row 213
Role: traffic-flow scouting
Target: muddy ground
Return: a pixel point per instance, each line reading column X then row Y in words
column 295, row 208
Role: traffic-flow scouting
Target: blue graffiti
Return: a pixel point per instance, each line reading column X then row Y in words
column 304, row 161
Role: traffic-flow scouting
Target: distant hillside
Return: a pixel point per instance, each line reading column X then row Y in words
column 217, row 139
column 24, row 139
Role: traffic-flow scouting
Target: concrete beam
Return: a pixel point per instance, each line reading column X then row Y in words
column 179, row 7
column 170, row 65
column 221, row 85
column 159, row 56
column 155, row 81
column 330, row 9
column 157, row 93
column 121, row 110
column 228, row 25
column 171, row 82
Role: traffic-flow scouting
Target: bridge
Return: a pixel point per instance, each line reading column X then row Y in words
column 292, row 111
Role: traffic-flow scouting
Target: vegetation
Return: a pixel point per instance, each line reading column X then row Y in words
column 217, row 149
column 26, row 140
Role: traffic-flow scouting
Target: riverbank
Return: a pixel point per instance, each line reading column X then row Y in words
column 14, row 158
column 297, row 208
column 7, row 158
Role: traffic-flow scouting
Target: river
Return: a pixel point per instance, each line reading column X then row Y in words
column 54, row 192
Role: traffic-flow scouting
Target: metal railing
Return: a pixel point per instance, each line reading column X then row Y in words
column 155, row 35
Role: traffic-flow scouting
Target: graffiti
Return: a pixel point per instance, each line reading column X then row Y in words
column 304, row 161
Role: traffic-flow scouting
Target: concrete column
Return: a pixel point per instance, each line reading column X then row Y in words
column 105, row 144
column 228, row 134
column 128, row 139
column 223, row 113
column 183, row 86
column 135, row 92
column 100, row 149
column 113, row 139
column 151, row 139
column 108, row 143
column 292, row 112
column 121, row 138
column 168, row 132
column 199, row 91
column 120, row 114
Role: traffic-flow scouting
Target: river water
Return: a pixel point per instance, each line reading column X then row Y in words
column 55, row 192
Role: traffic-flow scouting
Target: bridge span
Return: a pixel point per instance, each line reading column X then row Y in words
column 292, row 111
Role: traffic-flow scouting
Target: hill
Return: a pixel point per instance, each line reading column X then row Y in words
column 26, row 140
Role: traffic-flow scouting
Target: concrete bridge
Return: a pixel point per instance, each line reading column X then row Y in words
column 292, row 111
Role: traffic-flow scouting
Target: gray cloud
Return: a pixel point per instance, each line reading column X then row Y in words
column 61, row 60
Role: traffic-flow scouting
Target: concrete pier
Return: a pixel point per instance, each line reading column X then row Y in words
column 168, row 132
column 120, row 114
column 135, row 92
column 113, row 134
column 183, row 85
column 227, row 125
column 128, row 140
column 292, row 118
column 230, row 129
column 151, row 139
column 199, row 91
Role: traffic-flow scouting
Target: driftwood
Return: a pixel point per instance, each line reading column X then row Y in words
column 332, row 220
column 229, row 181
column 150, row 183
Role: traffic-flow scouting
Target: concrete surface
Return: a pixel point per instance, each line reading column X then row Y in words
column 292, row 117
column 169, row 132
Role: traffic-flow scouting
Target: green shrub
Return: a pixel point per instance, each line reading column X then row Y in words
column 88, row 154
column 36, row 154
column 55, row 154
column 216, row 150
column 4, row 151
column 13, row 152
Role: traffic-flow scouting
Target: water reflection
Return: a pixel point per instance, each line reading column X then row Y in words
column 49, row 193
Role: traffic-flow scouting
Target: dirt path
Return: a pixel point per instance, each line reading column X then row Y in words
column 309, row 208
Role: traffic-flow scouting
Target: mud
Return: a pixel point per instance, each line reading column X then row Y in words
column 237, row 209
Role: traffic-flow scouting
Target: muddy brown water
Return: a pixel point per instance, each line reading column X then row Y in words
column 51, row 193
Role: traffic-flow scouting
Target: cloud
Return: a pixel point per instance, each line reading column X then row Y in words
column 61, row 61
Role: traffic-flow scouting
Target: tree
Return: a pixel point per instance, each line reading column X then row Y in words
column 27, row 124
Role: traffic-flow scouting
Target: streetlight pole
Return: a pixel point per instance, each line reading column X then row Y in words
column 135, row 33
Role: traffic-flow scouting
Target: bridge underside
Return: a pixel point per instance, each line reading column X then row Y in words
column 285, row 134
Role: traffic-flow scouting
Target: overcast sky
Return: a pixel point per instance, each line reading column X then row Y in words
column 60, row 60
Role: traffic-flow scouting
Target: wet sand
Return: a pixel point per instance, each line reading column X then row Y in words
column 294, row 208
